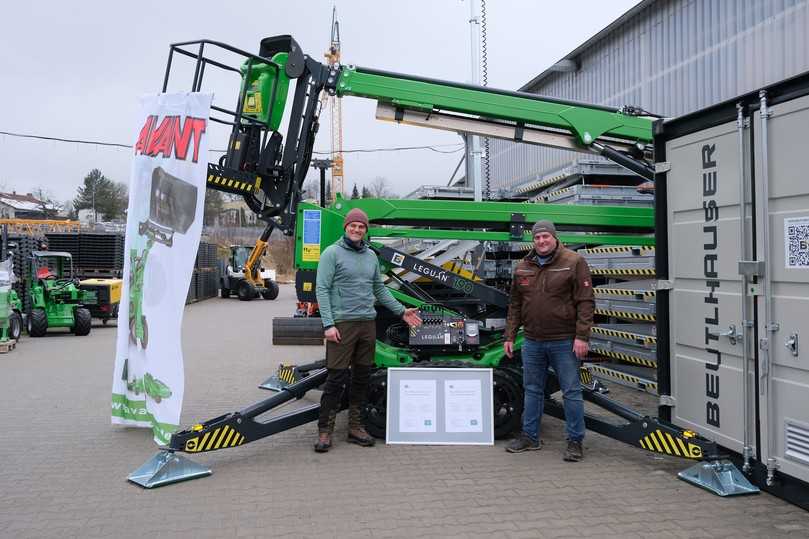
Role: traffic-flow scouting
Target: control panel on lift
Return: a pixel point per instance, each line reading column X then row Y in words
column 442, row 328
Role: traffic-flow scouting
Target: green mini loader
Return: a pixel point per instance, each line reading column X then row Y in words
column 56, row 299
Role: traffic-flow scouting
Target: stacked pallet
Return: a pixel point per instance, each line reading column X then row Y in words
column 624, row 345
column 205, row 277
column 101, row 255
column 95, row 255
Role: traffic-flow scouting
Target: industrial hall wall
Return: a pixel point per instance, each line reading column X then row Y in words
column 670, row 57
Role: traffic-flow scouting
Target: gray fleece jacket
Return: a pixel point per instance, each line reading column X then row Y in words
column 349, row 283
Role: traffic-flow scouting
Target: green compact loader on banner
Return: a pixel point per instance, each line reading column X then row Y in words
column 172, row 204
column 56, row 299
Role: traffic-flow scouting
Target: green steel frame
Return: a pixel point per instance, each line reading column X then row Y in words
column 586, row 122
column 464, row 220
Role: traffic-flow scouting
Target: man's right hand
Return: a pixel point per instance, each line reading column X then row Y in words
column 508, row 348
column 332, row 334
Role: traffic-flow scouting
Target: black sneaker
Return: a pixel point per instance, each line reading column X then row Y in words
column 523, row 442
column 574, row 451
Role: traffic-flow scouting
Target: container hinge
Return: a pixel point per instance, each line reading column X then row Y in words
column 664, row 284
column 752, row 268
column 662, row 166
column 668, row 400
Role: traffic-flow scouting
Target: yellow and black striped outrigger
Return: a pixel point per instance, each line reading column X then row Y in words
column 238, row 428
column 649, row 433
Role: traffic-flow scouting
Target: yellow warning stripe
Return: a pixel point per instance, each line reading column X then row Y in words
column 647, row 294
column 585, row 377
column 220, row 437
column 226, row 441
column 647, row 339
column 233, row 184
column 600, row 271
column 286, row 374
column 628, row 358
column 216, row 434
column 610, row 373
column 645, row 251
column 626, row 314
column 547, row 196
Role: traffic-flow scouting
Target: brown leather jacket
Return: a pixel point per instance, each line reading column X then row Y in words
column 554, row 301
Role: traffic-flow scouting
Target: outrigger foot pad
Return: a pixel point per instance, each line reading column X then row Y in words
column 721, row 477
column 165, row 468
column 286, row 375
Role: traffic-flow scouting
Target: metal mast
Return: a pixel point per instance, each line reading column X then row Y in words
column 333, row 58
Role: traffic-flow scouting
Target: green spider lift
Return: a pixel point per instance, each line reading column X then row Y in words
column 269, row 175
column 56, row 299
column 172, row 206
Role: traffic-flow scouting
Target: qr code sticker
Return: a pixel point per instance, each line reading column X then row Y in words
column 796, row 242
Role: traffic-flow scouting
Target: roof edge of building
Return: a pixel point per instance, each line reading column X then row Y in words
column 631, row 12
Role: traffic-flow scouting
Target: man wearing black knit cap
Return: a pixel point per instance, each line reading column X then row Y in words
column 552, row 299
column 348, row 285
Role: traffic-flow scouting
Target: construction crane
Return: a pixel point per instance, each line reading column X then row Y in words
column 333, row 59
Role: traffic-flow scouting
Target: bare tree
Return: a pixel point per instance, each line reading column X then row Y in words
column 380, row 188
column 47, row 203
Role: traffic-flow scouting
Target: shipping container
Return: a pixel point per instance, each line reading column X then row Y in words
column 732, row 259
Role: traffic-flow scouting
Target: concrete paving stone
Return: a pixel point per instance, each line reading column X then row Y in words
column 64, row 468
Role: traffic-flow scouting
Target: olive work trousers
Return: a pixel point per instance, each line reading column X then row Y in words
column 349, row 364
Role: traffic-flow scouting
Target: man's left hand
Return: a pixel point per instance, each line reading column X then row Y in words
column 580, row 348
column 411, row 316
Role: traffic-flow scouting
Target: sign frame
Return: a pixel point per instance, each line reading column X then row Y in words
column 442, row 376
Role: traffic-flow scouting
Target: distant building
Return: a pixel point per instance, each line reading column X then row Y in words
column 237, row 213
column 6, row 210
column 87, row 216
column 669, row 57
column 24, row 206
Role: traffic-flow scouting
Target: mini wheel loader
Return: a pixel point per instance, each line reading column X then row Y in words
column 56, row 299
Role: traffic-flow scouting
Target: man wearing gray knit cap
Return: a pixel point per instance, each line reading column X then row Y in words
column 552, row 299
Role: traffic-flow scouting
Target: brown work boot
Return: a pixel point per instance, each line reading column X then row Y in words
column 574, row 451
column 323, row 443
column 359, row 436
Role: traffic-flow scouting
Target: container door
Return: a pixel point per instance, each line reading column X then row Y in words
column 782, row 240
column 706, row 336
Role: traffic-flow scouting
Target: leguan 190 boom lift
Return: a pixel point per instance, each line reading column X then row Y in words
column 268, row 169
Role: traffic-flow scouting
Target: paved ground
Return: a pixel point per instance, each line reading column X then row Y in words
column 63, row 466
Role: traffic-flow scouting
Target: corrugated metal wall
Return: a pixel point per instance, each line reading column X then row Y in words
column 671, row 58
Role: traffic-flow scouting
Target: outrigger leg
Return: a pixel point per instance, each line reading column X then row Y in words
column 229, row 430
column 715, row 472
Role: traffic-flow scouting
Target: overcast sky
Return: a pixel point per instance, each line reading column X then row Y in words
column 76, row 69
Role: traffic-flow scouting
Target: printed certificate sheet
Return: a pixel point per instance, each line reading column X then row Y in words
column 417, row 406
column 463, row 406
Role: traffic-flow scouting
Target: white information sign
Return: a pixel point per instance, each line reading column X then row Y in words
column 417, row 406
column 440, row 406
column 463, row 410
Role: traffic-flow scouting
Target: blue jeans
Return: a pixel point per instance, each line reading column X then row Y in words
column 536, row 357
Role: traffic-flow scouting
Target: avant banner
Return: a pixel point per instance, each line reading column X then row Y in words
column 164, row 223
